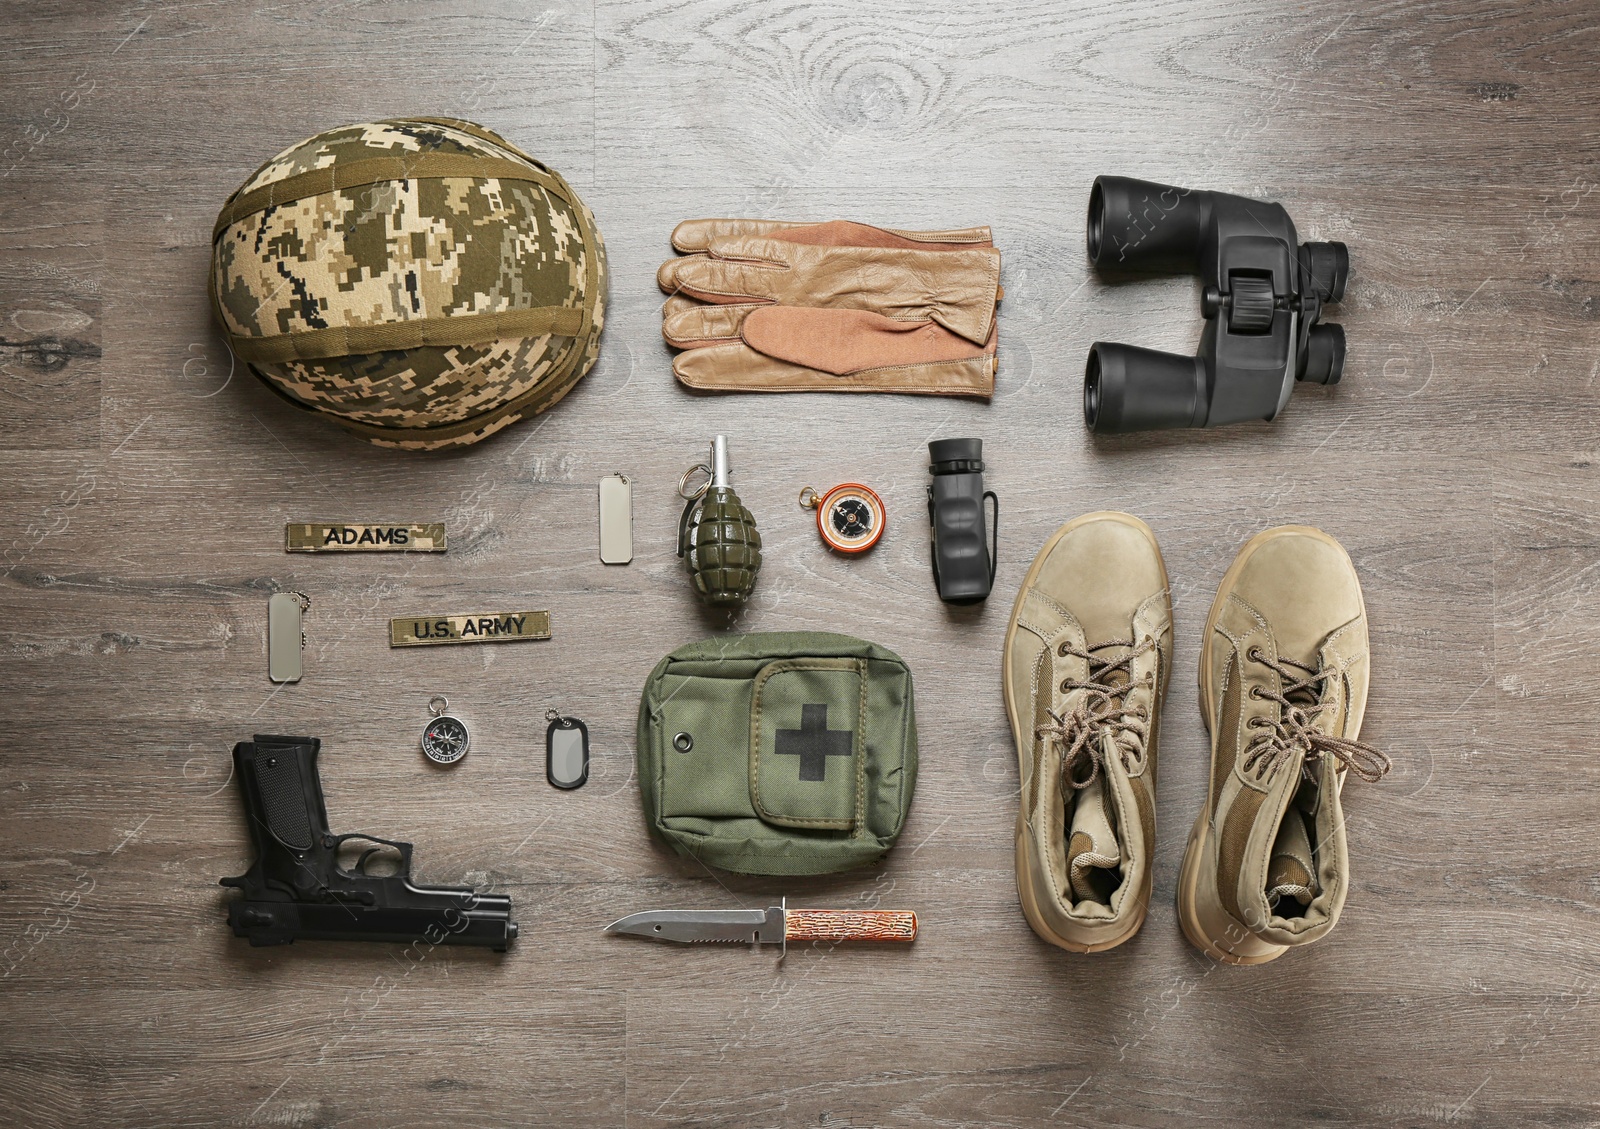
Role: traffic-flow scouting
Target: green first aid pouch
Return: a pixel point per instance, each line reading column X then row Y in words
column 781, row 753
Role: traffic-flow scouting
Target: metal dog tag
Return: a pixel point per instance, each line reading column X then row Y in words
column 616, row 519
column 566, row 751
column 285, row 639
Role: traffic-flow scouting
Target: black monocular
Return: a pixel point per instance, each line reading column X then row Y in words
column 1263, row 298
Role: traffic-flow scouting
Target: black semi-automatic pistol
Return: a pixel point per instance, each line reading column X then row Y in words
column 296, row 887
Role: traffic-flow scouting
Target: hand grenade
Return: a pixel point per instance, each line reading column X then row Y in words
column 717, row 536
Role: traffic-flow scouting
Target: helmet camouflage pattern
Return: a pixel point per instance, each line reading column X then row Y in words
column 421, row 282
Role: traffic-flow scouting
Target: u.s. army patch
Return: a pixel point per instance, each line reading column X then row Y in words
column 491, row 627
column 323, row 537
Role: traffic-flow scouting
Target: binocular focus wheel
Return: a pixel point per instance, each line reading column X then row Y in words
column 1250, row 306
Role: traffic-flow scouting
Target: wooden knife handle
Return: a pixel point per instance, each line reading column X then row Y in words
column 850, row 925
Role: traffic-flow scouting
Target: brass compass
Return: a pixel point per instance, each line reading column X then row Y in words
column 850, row 517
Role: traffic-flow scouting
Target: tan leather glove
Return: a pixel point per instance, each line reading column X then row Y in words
column 762, row 305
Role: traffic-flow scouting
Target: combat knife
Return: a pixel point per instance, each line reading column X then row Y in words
column 775, row 925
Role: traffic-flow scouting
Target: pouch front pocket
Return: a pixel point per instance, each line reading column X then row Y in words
column 701, row 741
column 806, row 747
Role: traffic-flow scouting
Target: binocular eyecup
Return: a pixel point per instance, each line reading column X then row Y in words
column 1324, row 355
column 1327, row 267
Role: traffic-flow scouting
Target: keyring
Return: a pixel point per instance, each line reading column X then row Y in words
column 683, row 482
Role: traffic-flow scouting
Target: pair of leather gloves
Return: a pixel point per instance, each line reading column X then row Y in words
column 763, row 305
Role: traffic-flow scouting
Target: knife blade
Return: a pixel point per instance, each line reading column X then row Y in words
column 749, row 926
column 775, row 925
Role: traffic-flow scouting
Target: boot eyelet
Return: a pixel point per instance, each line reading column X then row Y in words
column 1062, row 650
column 1254, row 655
column 1255, row 692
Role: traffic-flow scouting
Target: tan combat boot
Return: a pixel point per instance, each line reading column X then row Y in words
column 1086, row 660
column 1283, row 685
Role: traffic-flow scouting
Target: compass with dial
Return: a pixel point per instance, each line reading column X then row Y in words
column 445, row 739
column 850, row 517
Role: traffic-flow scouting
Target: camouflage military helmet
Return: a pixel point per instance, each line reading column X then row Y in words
column 421, row 282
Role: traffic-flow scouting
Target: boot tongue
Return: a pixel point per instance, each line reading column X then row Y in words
column 1105, row 655
column 1093, row 855
column 1291, row 870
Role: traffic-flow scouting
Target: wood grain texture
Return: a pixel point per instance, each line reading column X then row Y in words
column 147, row 482
column 837, row 925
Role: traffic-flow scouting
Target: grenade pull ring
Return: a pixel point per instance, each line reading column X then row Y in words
column 698, row 492
column 717, row 536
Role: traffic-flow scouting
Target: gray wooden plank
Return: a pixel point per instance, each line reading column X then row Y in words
column 1449, row 142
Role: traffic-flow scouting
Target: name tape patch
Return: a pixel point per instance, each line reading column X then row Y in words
column 327, row 537
column 490, row 627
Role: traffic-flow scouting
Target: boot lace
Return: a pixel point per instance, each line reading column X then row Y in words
column 1103, row 708
column 1294, row 728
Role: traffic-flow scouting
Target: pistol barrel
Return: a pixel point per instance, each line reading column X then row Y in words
column 479, row 919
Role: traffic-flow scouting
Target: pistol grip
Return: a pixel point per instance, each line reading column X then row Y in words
column 282, row 789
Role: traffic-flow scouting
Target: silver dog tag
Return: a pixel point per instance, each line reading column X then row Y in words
column 616, row 519
column 566, row 751
column 285, row 639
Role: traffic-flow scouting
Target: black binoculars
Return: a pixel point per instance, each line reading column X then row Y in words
column 964, row 553
column 1264, row 293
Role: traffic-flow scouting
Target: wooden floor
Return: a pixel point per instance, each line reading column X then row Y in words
column 1452, row 145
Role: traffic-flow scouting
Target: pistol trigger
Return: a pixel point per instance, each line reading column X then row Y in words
column 376, row 846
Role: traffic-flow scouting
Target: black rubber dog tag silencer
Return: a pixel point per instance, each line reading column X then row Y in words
column 566, row 752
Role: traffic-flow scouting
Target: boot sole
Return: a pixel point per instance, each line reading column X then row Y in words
column 1030, row 908
column 1209, row 927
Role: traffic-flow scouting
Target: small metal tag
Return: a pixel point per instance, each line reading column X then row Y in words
column 490, row 627
column 616, row 519
column 285, row 639
column 324, row 537
column 566, row 752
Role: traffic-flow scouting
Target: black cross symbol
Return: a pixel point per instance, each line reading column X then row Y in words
column 814, row 742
